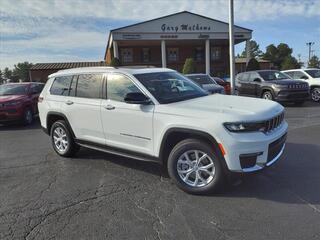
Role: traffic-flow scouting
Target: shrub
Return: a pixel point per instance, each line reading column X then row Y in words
column 115, row 62
column 189, row 66
column 253, row 64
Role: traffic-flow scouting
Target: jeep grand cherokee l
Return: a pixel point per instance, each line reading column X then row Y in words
column 140, row 114
column 272, row 85
column 18, row 101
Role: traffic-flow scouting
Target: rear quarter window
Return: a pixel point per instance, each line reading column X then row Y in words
column 61, row 85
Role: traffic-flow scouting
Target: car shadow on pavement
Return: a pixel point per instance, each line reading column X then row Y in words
column 307, row 104
column 19, row 126
column 149, row 167
column 293, row 179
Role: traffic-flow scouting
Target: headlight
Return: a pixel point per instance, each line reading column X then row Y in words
column 9, row 104
column 245, row 127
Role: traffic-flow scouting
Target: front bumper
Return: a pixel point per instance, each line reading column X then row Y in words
column 10, row 115
column 250, row 152
column 293, row 95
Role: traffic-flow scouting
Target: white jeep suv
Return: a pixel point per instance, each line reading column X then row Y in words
column 309, row 75
column 142, row 114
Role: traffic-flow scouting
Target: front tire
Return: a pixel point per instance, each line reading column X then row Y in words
column 267, row 95
column 315, row 94
column 27, row 116
column 195, row 167
column 62, row 140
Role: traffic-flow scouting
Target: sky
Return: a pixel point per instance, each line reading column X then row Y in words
column 77, row 30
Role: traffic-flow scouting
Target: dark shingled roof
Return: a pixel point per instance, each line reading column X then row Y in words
column 66, row 65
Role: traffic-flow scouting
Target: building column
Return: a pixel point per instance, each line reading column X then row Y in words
column 207, row 57
column 248, row 51
column 115, row 49
column 163, row 54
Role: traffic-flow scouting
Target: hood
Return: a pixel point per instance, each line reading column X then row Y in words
column 238, row 108
column 8, row 98
column 286, row 82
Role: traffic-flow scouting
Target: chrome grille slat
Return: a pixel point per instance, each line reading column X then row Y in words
column 274, row 122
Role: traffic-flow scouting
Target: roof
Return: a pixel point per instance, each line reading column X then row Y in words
column 66, row 65
column 244, row 60
column 170, row 15
column 300, row 69
column 110, row 70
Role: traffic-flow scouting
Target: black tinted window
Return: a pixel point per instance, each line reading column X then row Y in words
column 36, row 88
column 61, row 85
column 89, row 85
column 118, row 86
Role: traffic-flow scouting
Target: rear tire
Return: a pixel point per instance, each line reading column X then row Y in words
column 195, row 167
column 62, row 140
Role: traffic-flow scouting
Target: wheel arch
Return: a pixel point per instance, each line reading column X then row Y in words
column 265, row 89
column 55, row 116
column 174, row 135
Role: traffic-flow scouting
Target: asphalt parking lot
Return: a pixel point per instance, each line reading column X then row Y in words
column 101, row 196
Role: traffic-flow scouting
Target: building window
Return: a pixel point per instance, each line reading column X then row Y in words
column 145, row 54
column 126, row 55
column 199, row 54
column 215, row 53
column 173, row 54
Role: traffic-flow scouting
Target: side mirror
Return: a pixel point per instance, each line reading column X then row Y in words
column 257, row 80
column 137, row 98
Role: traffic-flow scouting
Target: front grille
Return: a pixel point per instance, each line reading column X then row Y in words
column 273, row 123
column 298, row 86
column 275, row 147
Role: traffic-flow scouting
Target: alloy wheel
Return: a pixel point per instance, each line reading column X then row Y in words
column 28, row 116
column 267, row 95
column 315, row 94
column 60, row 139
column 196, row 168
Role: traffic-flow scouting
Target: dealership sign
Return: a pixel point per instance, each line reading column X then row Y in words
column 184, row 28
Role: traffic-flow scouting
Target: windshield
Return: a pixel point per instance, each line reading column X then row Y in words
column 169, row 87
column 201, row 79
column 273, row 75
column 13, row 89
column 315, row 73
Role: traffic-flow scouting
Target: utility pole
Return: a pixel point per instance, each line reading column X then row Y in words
column 309, row 44
column 231, row 48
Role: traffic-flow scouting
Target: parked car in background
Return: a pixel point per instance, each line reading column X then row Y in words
column 140, row 113
column 18, row 101
column 272, row 85
column 309, row 75
column 224, row 83
column 206, row 82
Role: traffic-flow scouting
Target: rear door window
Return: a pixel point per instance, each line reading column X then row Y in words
column 61, row 86
column 89, row 86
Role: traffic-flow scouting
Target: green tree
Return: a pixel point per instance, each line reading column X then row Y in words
column 7, row 73
column 277, row 55
column 115, row 62
column 253, row 64
column 21, row 71
column 290, row 62
column 1, row 77
column 189, row 66
column 314, row 62
column 254, row 50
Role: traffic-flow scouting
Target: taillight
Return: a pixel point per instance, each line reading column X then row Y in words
column 40, row 99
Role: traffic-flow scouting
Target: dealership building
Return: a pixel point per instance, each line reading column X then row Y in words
column 167, row 42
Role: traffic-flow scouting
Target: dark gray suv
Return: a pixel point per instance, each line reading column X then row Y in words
column 272, row 85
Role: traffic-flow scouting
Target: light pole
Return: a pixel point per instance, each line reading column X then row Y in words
column 309, row 44
column 231, row 48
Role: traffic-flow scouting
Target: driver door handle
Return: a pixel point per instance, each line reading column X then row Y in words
column 109, row 107
column 69, row 102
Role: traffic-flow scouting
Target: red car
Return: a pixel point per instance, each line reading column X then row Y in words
column 223, row 83
column 18, row 101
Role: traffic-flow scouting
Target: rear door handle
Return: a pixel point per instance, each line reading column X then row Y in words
column 109, row 107
column 69, row 102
